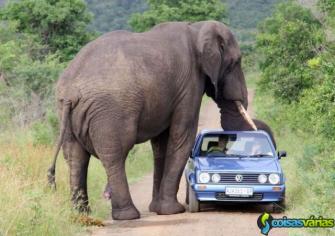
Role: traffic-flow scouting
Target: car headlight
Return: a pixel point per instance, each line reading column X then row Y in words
column 216, row 178
column 274, row 179
column 204, row 177
column 262, row 179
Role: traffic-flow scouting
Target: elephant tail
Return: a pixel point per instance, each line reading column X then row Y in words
column 64, row 122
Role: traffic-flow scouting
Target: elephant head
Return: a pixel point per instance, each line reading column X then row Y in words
column 219, row 58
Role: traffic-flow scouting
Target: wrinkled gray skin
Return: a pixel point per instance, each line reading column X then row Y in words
column 126, row 88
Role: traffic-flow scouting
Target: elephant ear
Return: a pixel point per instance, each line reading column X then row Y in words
column 208, row 45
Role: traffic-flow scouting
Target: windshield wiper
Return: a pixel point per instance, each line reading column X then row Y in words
column 235, row 155
column 260, row 155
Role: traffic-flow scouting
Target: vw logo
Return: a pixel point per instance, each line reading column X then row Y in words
column 238, row 178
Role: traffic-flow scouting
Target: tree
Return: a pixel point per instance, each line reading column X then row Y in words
column 26, row 76
column 59, row 24
column 177, row 10
column 287, row 41
column 113, row 14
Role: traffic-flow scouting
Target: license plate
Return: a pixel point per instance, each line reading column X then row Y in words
column 239, row 192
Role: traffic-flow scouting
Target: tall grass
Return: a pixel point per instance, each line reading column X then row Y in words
column 29, row 207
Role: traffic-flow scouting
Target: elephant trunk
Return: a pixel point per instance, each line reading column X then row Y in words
column 235, row 117
column 245, row 115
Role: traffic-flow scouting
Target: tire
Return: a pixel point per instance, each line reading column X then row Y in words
column 194, row 204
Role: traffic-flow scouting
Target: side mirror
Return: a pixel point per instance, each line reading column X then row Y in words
column 282, row 154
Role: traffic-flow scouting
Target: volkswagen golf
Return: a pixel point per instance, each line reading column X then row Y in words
column 234, row 166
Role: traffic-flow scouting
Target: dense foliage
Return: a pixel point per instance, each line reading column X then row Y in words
column 37, row 38
column 27, row 76
column 246, row 14
column 112, row 15
column 177, row 10
column 297, row 92
column 288, row 40
column 59, row 25
column 298, row 68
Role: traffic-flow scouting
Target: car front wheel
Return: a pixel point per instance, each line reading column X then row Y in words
column 193, row 202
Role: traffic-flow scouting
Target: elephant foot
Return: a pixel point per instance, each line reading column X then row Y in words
column 81, row 205
column 83, row 209
column 153, row 207
column 127, row 213
column 169, row 208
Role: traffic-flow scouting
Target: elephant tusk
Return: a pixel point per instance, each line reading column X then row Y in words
column 245, row 115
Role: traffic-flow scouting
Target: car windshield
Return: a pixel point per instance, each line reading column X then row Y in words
column 240, row 145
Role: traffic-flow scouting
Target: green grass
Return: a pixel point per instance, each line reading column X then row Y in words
column 28, row 207
column 251, row 78
column 204, row 101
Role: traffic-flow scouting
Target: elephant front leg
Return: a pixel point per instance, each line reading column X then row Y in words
column 159, row 147
column 180, row 143
column 78, row 160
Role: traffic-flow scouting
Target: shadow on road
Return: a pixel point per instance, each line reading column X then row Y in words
column 144, row 223
column 235, row 207
column 218, row 208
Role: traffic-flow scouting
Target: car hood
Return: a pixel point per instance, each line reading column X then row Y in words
column 238, row 164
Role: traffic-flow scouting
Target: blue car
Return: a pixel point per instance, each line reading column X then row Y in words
column 234, row 166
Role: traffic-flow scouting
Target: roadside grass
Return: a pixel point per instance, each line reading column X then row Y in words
column 309, row 167
column 204, row 101
column 251, row 77
column 29, row 207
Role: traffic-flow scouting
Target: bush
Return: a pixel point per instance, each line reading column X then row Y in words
column 59, row 25
column 183, row 10
column 287, row 41
column 303, row 125
column 27, row 75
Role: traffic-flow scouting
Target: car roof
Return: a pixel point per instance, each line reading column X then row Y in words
column 221, row 131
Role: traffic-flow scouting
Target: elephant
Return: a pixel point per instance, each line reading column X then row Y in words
column 261, row 125
column 125, row 88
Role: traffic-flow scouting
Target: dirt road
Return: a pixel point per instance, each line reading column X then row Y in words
column 213, row 220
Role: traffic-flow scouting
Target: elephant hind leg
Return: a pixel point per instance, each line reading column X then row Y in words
column 159, row 147
column 78, row 159
column 112, row 152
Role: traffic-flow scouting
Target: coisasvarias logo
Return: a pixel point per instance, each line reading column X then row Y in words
column 266, row 222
